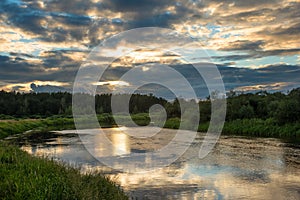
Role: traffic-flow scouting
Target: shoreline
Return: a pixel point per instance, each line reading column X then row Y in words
column 28, row 177
column 10, row 154
column 246, row 127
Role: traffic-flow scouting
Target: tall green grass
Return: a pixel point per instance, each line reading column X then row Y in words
column 262, row 128
column 250, row 127
column 246, row 127
column 16, row 126
column 26, row 177
column 12, row 127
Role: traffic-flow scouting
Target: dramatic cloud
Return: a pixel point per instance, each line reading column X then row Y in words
column 255, row 43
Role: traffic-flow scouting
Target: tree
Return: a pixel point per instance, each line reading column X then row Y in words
column 288, row 111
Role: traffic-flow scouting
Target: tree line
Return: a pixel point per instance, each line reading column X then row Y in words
column 281, row 107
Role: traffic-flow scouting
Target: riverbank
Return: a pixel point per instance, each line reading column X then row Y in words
column 259, row 128
column 13, row 126
column 18, row 126
column 240, row 127
column 27, row 177
column 245, row 127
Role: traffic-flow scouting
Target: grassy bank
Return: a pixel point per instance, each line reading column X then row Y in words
column 12, row 127
column 262, row 128
column 251, row 128
column 259, row 128
column 245, row 127
column 23, row 176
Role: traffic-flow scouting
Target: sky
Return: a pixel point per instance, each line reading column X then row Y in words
column 255, row 44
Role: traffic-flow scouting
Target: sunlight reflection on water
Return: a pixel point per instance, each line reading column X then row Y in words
column 238, row 168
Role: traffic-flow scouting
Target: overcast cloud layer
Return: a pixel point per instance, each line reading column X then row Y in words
column 255, row 44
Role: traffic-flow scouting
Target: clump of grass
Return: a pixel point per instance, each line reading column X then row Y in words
column 23, row 176
column 203, row 127
column 173, row 123
column 141, row 119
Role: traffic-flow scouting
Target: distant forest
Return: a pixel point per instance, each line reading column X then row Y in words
column 280, row 107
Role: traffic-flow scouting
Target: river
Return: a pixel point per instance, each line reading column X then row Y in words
column 237, row 168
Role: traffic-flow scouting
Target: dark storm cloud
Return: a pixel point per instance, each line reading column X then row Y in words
column 23, row 70
column 24, row 18
column 115, row 73
column 269, row 77
column 136, row 5
column 60, row 21
column 14, row 69
column 257, row 12
column 291, row 11
column 148, row 13
column 162, row 20
column 255, row 49
column 243, row 45
column 292, row 30
column 138, row 13
column 257, row 54
column 57, row 27
column 243, row 3
column 65, row 6
column 232, row 57
column 280, row 73
column 73, row 16
column 281, row 68
column 59, row 58
column 71, row 19
column 3, row 59
column 234, row 77
column 280, row 52
column 21, row 55
column 244, row 17
column 268, row 15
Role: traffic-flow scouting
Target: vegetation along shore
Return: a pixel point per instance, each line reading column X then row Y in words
column 25, row 177
column 261, row 114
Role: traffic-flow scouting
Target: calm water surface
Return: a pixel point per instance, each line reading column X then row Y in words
column 238, row 168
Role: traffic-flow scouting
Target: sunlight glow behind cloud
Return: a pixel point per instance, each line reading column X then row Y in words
column 48, row 40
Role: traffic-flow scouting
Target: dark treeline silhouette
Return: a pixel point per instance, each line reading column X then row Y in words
column 48, row 104
column 280, row 107
column 283, row 108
